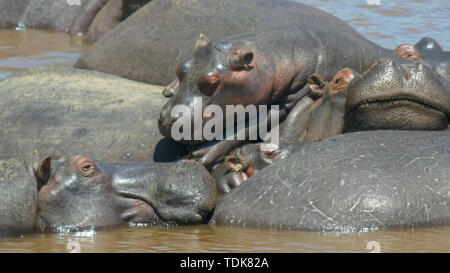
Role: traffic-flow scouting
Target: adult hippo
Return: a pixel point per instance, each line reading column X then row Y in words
column 160, row 35
column 18, row 197
column 97, row 17
column 42, row 14
column 429, row 52
column 353, row 182
column 79, row 193
column 59, row 111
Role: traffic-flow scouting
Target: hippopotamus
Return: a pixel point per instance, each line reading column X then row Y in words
column 429, row 52
column 59, row 111
column 359, row 181
column 267, row 69
column 160, row 35
column 57, row 15
column 97, row 17
column 18, row 197
column 79, row 193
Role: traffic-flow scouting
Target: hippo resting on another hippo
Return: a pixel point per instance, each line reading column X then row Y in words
column 42, row 14
column 61, row 111
column 160, row 35
column 97, row 17
column 387, row 96
column 267, row 69
column 353, row 182
column 79, row 193
column 429, row 52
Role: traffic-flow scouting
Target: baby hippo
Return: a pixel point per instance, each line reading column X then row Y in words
column 80, row 193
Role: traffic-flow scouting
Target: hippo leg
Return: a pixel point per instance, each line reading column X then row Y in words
column 86, row 15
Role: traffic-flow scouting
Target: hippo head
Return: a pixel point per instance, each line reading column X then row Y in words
column 79, row 193
column 327, row 113
column 221, row 73
column 389, row 96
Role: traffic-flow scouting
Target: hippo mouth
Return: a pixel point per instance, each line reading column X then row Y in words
column 166, row 213
column 401, row 112
column 413, row 101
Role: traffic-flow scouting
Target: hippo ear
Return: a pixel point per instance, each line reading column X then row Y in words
column 316, row 84
column 242, row 61
column 42, row 171
column 408, row 52
column 202, row 41
column 428, row 43
column 342, row 79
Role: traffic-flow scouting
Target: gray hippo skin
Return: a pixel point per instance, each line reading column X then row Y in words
column 268, row 69
column 97, row 17
column 429, row 52
column 79, row 193
column 353, row 182
column 387, row 96
column 160, row 35
column 68, row 111
column 18, row 198
column 42, row 14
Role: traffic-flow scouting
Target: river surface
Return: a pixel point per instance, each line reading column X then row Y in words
column 392, row 23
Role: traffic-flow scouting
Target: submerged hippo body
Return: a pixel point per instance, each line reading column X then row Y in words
column 160, row 35
column 353, row 182
column 42, row 14
column 79, row 193
column 18, row 197
column 67, row 111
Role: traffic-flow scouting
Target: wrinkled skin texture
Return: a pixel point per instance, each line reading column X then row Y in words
column 18, row 197
column 391, row 96
column 57, row 14
column 80, row 193
column 67, row 111
column 429, row 52
column 320, row 119
column 354, row 182
column 267, row 69
column 155, row 39
column 97, row 17
column 387, row 96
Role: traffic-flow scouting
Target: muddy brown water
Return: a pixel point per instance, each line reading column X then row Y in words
column 388, row 24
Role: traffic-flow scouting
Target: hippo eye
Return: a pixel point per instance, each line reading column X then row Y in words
column 88, row 168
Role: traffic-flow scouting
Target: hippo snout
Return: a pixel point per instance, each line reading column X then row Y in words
column 183, row 193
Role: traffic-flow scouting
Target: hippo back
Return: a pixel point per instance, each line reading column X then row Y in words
column 148, row 45
column 352, row 182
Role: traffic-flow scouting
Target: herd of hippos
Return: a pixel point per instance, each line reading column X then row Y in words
column 364, row 130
